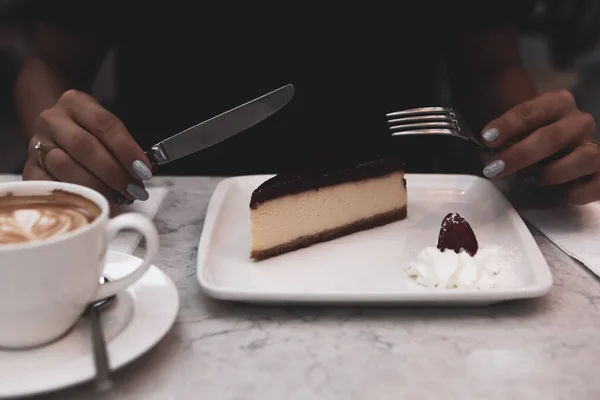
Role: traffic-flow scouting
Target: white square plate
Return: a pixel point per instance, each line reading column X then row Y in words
column 368, row 266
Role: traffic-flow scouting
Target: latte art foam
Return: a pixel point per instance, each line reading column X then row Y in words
column 29, row 218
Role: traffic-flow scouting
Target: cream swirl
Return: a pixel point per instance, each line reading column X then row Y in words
column 41, row 223
column 29, row 218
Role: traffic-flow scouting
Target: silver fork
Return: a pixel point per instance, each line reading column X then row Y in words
column 440, row 121
column 431, row 121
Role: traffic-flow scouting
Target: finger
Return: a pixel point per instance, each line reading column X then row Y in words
column 544, row 142
column 87, row 150
column 33, row 172
column 109, row 130
column 34, row 156
column 527, row 117
column 583, row 161
column 64, row 168
column 584, row 192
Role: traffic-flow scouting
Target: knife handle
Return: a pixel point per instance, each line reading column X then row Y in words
column 153, row 161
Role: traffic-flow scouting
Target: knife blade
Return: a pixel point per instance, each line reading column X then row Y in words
column 219, row 128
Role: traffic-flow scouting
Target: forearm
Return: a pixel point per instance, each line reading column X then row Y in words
column 490, row 98
column 38, row 87
column 487, row 75
column 59, row 60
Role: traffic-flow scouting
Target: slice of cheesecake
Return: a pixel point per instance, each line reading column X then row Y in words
column 289, row 212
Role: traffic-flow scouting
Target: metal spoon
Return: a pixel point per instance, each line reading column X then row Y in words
column 103, row 381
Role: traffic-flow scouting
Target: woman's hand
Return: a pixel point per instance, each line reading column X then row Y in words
column 79, row 141
column 553, row 139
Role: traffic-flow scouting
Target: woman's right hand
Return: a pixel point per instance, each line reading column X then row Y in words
column 83, row 143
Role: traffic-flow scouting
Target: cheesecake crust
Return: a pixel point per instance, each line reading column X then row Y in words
column 356, row 226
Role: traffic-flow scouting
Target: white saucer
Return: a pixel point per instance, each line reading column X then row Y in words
column 133, row 324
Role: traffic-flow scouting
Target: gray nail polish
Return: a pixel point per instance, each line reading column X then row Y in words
column 141, row 170
column 491, row 135
column 493, row 168
column 137, row 192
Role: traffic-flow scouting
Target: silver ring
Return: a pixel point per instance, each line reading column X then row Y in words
column 41, row 151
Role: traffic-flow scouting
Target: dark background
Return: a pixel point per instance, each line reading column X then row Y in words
column 559, row 43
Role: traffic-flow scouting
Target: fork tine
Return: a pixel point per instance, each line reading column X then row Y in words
column 424, row 125
column 450, row 132
column 421, row 111
column 422, row 118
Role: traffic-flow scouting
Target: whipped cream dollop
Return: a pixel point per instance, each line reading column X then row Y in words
column 489, row 268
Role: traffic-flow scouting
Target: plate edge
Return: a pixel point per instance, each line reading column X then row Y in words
column 538, row 289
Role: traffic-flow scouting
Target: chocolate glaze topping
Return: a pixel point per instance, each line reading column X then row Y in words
column 322, row 175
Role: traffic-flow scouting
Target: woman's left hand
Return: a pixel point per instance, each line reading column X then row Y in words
column 553, row 139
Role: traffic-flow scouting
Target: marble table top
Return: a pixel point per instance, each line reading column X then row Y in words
column 547, row 348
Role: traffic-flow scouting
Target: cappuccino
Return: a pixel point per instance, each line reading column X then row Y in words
column 26, row 218
column 54, row 237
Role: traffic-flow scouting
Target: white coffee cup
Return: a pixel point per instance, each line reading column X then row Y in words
column 46, row 285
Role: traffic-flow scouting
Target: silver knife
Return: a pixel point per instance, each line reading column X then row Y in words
column 219, row 128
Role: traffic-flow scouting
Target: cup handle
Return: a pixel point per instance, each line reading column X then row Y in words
column 144, row 226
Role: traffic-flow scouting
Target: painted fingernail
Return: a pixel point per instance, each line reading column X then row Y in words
column 141, row 170
column 137, row 192
column 493, row 168
column 491, row 135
